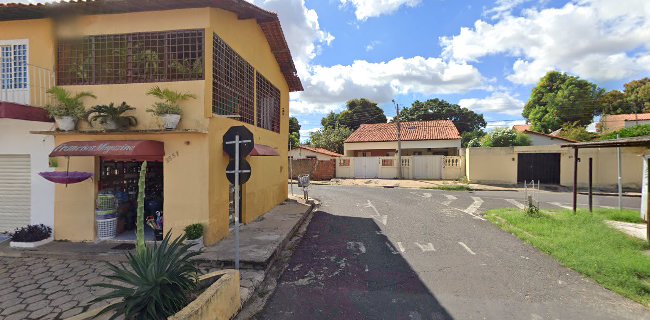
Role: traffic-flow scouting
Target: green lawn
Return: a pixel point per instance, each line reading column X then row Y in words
column 585, row 244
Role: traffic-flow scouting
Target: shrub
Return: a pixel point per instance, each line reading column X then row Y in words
column 31, row 233
column 504, row 138
column 67, row 104
column 636, row 131
column 157, row 283
column 194, row 231
column 170, row 103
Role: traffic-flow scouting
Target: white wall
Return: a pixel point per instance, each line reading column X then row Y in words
column 541, row 140
column 299, row 153
column 392, row 145
column 16, row 139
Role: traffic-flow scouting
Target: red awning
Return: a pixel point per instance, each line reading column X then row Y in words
column 260, row 150
column 10, row 110
column 118, row 149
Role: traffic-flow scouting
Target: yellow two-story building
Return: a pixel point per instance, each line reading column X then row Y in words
column 230, row 54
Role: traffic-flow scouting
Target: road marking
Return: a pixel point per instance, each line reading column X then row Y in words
column 450, row 198
column 391, row 248
column 401, row 247
column 474, row 206
column 516, row 203
column 467, row 248
column 561, row 205
column 381, row 218
column 426, row 247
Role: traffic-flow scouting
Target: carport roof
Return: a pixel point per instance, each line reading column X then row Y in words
column 624, row 142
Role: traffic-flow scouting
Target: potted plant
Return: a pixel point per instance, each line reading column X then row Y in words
column 31, row 236
column 169, row 109
column 111, row 117
column 68, row 108
column 194, row 234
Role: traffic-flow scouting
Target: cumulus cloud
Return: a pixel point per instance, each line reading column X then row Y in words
column 497, row 102
column 365, row 9
column 600, row 40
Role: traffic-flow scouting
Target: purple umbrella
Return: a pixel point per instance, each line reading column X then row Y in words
column 66, row 177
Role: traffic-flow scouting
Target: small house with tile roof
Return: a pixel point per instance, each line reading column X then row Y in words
column 609, row 123
column 539, row 138
column 305, row 152
column 437, row 137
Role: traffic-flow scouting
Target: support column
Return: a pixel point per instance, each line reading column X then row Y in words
column 575, row 180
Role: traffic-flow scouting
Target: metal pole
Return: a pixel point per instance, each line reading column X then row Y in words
column 620, row 180
column 575, row 180
column 647, row 214
column 399, row 142
column 591, row 195
column 237, row 208
column 291, row 169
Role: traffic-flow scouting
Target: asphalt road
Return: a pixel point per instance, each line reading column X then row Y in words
column 372, row 253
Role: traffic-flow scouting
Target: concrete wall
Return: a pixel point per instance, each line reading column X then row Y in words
column 16, row 139
column 300, row 153
column 499, row 165
column 317, row 169
column 391, row 146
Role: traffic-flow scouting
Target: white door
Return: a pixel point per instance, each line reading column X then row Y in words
column 14, row 78
column 15, row 191
column 427, row 167
column 366, row 167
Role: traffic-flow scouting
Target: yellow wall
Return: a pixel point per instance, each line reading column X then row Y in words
column 491, row 165
column 39, row 34
column 185, row 185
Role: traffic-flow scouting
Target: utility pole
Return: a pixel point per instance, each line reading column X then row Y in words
column 399, row 142
column 620, row 178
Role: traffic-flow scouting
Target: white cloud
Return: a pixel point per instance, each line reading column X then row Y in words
column 327, row 88
column 372, row 45
column 597, row 39
column 503, row 124
column 497, row 102
column 503, row 8
column 365, row 9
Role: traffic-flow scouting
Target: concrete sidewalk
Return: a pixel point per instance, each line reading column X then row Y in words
column 637, row 230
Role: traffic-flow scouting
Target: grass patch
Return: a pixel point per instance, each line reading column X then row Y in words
column 584, row 243
column 619, row 215
column 452, row 187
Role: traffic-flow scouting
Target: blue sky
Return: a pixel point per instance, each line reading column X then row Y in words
column 484, row 55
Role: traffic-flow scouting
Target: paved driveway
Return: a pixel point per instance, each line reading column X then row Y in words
column 373, row 253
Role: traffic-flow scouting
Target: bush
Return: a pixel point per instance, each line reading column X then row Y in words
column 31, row 233
column 155, row 285
column 504, row 138
column 194, row 231
column 637, row 131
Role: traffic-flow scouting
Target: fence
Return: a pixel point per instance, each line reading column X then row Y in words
column 413, row 167
column 28, row 87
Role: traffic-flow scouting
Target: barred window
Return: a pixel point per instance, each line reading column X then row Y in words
column 131, row 58
column 233, row 84
column 268, row 105
column 344, row 162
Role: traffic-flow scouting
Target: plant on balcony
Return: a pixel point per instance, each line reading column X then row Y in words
column 68, row 108
column 169, row 109
column 185, row 67
column 112, row 117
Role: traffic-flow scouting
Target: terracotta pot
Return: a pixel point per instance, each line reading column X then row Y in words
column 170, row 121
column 66, row 123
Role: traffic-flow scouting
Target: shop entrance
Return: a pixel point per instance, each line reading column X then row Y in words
column 119, row 180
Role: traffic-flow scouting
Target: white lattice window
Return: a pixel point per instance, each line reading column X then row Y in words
column 14, row 77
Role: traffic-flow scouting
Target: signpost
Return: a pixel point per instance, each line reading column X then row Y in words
column 238, row 143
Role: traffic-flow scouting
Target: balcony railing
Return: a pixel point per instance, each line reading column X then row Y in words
column 27, row 85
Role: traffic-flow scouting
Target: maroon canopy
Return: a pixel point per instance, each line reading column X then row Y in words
column 119, row 149
column 260, row 150
column 66, row 177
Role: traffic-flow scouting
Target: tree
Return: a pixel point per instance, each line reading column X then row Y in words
column 467, row 137
column 294, row 132
column 331, row 120
column 637, row 94
column 560, row 99
column 615, row 102
column 361, row 111
column 436, row 109
column 504, row 138
column 577, row 133
column 331, row 139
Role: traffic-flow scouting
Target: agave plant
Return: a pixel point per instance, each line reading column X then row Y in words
column 155, row 284
column 67, row 104
column 111, row 116
column 170, row 101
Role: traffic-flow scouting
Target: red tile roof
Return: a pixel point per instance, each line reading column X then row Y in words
column 268, row 21
column 521, row 127
column 410, row 131
column 626, row 117
column 321, row 151
column 525, row 128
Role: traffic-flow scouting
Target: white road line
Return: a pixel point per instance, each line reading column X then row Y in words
column 401, row 247
column 391, row 248
column 561, row 205
column 450, row 198
column 467, row 248
column 381, row 218
column 426, row 247
column 474, row 206
column 516, row 203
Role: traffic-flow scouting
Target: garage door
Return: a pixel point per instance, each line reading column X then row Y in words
column 15, row 191
column 539, row 167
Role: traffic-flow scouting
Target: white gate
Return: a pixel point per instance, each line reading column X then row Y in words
column 15, row 191
column 427, row 167
column 366, row 167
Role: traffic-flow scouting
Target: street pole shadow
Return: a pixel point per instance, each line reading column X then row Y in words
column 345, row 268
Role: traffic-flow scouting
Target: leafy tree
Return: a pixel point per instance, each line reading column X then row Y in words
column 294, row 139
column 361, row 111
column 577, row 133
column 560, row 99
column 504, row 138
column 331, row 120
column 466, row 137
column 294, row 132
column 436, row 109
column 636, row 131
column 331, row 139
column 615, row 102
column 637, row 94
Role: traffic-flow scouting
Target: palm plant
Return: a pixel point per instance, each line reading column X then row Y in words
column 67, row 104
column 157, row 284
column 170, row 101
column 110, row 115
